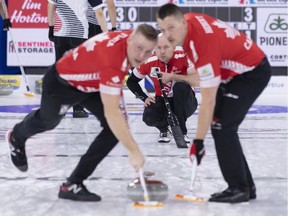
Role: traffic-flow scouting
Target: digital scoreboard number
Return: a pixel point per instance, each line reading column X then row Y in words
column 241, row 18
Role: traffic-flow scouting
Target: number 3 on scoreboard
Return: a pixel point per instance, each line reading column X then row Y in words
column 248, row 15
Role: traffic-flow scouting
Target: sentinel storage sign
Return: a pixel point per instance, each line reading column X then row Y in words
column 30, row 34
column 272, row 34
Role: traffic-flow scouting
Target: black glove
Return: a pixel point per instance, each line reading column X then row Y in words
column 51, row 33
column 6, row 24
column 197, row 150
column 113, row 29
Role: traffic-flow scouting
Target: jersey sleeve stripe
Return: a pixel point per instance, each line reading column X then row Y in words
column 151, row 59
column 109, row 90
column 210, row 82
column 235, row 66
column 98, row 6
column 137, row 74
column 52, row 2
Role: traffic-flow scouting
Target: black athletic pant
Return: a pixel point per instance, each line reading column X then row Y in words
column 232, row 104
column 57, row 97
column 94, row 30
column 64, row 44
column 183, row 104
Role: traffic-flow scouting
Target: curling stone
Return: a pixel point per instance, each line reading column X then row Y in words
column 38, row 86
column 6, row 89
column 157, row 190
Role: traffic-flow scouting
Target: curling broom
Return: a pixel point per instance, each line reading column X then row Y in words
column 172, row 118
column 146, row 202
column 191, row 197
column 28, row 93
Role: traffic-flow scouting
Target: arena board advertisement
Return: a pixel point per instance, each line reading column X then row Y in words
column 258, row 3
column 30, row 24
column 30, row 34
column 13, row 80
column 272, row 34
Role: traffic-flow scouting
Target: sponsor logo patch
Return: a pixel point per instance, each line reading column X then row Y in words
column 206, row 71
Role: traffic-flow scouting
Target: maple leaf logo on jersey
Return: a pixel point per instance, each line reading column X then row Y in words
column 175, row 70
column 91, row 43
column 75, row 53
column 229, row 30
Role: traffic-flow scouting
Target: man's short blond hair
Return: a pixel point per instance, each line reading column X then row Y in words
column 147, row 31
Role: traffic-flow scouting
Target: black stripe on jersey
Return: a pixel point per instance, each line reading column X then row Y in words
column 95, row 3
column 71, row 21
column 91, row 16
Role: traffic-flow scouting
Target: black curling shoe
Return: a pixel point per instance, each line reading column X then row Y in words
column 231, row 195
column 252, row 192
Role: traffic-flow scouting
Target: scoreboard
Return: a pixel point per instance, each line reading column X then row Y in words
column 265, row 21
column 242, row 18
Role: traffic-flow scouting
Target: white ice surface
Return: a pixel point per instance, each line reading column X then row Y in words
column 54, row 154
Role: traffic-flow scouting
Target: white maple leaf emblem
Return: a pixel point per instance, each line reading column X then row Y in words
column 229, row 30
column 75, row 53
column 90, row 44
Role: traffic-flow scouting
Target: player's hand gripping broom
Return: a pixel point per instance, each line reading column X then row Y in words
column 146, row 202
column 197, row 151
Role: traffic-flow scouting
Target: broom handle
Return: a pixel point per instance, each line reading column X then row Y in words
column 193, row 174
column 143, row 184
column 20, row 65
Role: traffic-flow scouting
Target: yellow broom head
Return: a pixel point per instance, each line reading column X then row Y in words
column 190, row 198
column 144, row 204
column 29, row 94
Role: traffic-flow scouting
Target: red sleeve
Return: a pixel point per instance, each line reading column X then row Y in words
column 142, row 70
column 111, row 81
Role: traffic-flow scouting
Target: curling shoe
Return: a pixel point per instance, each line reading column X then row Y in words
column 80, row 114
column 77, row 192
column 164, row 137
column 252, row 192
column 231, row 195
column 251, row 196
column 186, row 138
column 17, row 153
